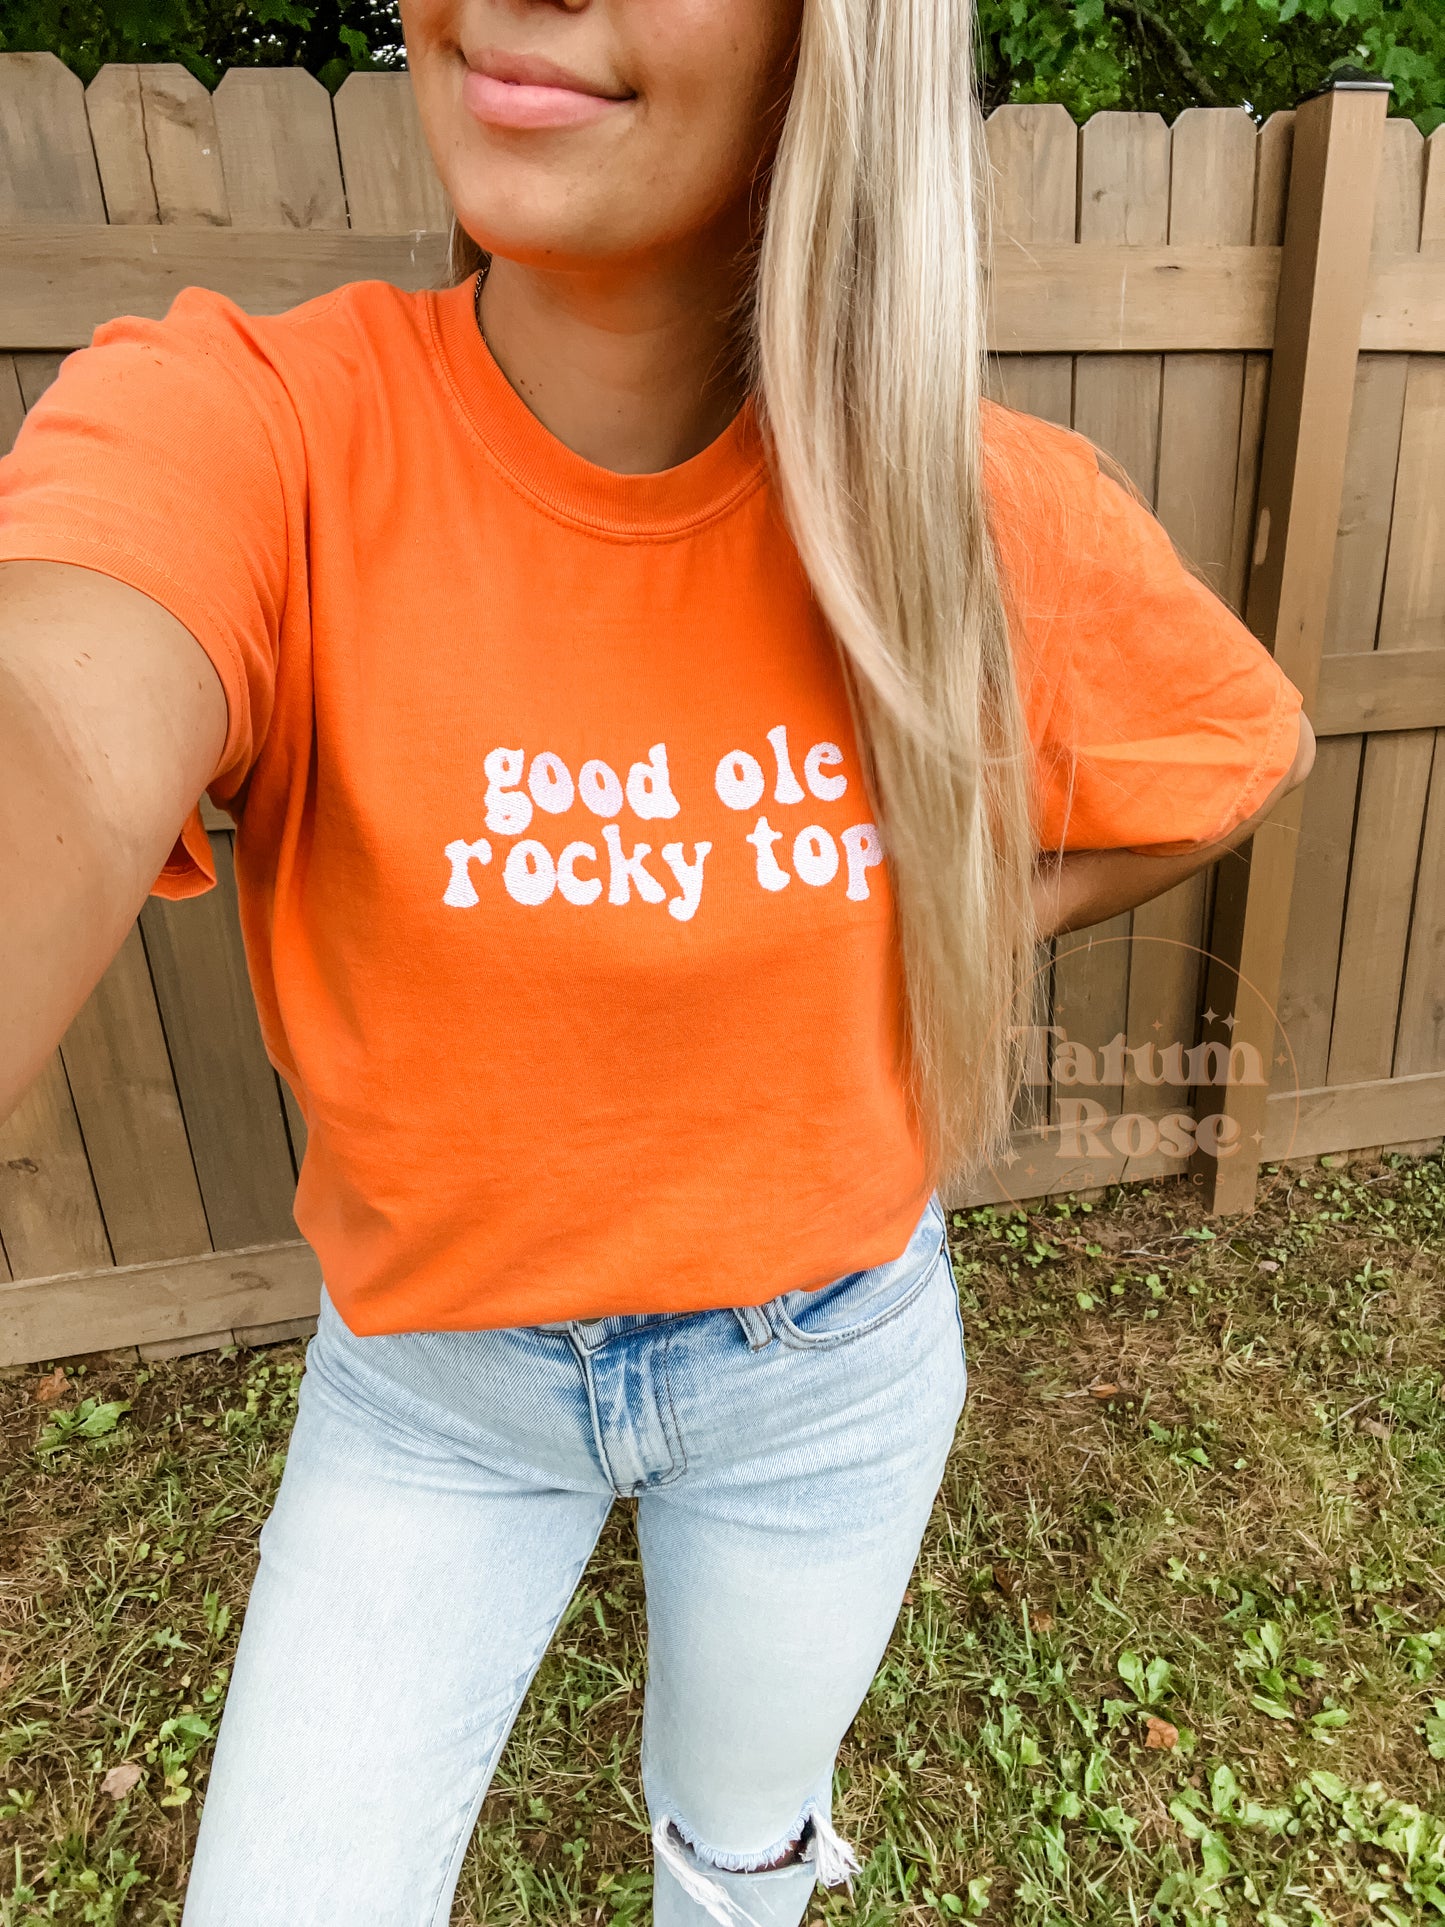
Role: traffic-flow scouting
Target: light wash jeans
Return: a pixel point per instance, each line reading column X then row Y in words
column 441, row 1496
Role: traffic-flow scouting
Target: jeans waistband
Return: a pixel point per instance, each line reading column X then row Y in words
column 591, row 1333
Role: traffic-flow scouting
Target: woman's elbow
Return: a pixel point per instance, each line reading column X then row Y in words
column 1304, row 756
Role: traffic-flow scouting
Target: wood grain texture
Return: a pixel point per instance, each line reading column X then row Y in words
column 1211, row 204
column 57, row 284
column 278, row 149
column 1381, row 689
column 1412, row 610
column 56, row 287
column 1362, row 540
column 154, row 131
column 1033, row 153
column 1123, row 200
column 1271, row 180
column 125, row 1098
column 391, row 184
column 1253, row 396
column 227, row 1088
column 1421, row 1043
column 12, row 403
column 1273, row 148
column 183, row 147
column 117, row 132
column 1334, row 169
column 1395, row 770
column 1405, row 306
column 35, row 372
column 49, row 1216
column 1394, row 784
column 185, row 1347
column 1306, row 998
column 275, row 1334
column 1130, row 297
column 158, row 1304
column 1387, row 1111
column 47, row 168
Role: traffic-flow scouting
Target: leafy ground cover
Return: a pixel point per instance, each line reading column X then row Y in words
column 1174, row 1650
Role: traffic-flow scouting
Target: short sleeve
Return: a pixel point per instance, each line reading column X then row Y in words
column 1158, row 722
column 153, row 458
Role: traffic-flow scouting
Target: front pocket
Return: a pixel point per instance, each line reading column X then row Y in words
column 863, row 1300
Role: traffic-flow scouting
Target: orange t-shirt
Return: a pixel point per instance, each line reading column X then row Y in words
column 564, row 912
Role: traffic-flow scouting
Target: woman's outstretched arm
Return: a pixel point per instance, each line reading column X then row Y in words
column 111, row 723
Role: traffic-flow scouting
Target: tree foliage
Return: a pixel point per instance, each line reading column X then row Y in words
column 1172, row 54
column 1163, row 55
column 208, row 36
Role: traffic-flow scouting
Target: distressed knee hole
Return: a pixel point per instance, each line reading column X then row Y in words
column 789, row 1854
column 695, row 1865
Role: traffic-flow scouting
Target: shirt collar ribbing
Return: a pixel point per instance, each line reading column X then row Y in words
column 665, row 504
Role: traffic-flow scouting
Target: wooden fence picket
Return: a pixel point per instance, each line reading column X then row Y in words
column 391, row 185
column 1421, row 1045
column 278, row 149
column 1124, row 199
column 1395, row 767
column 1034, row 154
column 1212, row 161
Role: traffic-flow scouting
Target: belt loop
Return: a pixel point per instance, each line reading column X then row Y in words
column 756, row 1324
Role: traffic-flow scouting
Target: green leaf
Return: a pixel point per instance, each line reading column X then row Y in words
column 1223, row 1791
column 1276, row 1709
column 1331, row 1786
column 1189, row 1821
column 1270, row 1820
column 1216, row 1858
column 89, row 1420
column 1157, row 1676
column 1331, row 1716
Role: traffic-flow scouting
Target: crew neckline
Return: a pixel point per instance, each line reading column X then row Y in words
column 667, row 503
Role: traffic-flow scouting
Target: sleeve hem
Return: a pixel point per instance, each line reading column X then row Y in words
column 185, row 603
column 1265, row 774
column 190, row 869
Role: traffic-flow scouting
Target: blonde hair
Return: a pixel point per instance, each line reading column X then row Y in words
column 868, row 361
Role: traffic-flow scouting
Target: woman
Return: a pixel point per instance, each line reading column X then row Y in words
column 570, row 645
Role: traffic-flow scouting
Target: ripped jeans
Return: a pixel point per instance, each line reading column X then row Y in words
column 442, row 1494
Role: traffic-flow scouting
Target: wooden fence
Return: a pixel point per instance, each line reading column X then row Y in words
column 1252, row 320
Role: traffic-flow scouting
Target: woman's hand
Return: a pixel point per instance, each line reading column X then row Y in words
column 1085, row 887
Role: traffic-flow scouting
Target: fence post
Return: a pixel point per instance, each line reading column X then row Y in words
column 1334, row 172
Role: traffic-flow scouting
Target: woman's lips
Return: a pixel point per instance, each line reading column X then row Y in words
column 529, row 103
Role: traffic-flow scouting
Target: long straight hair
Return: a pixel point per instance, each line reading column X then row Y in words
column 868, row 360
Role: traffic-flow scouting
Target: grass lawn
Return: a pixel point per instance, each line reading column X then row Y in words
column 1174, row 1651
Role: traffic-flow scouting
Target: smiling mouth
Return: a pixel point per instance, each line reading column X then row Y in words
column 525, row 92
